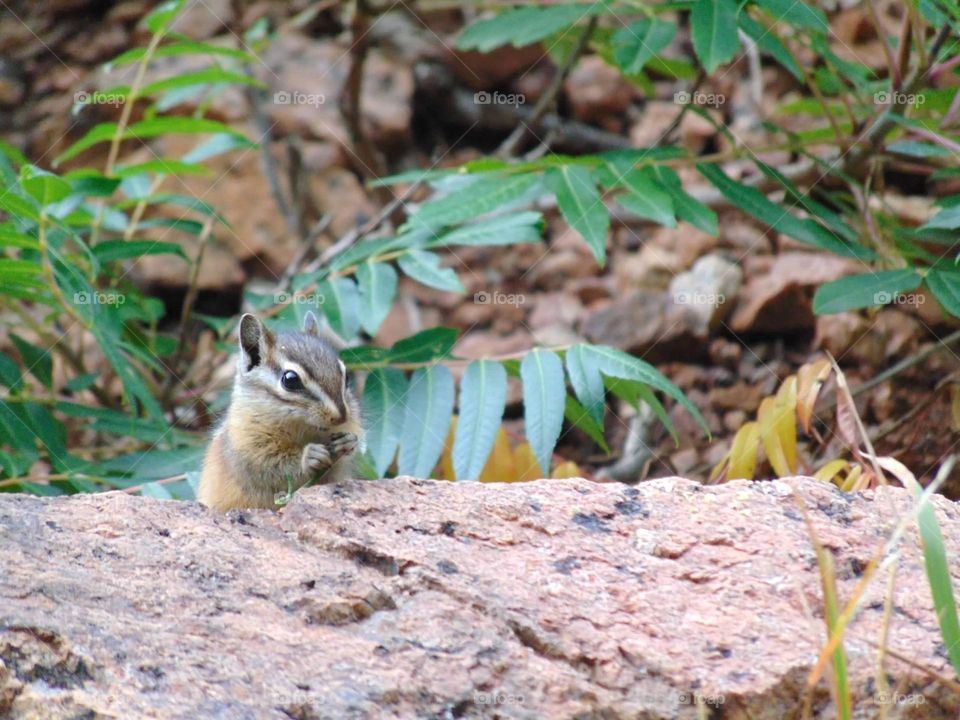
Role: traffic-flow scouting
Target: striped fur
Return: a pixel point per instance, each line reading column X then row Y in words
column 261, row 442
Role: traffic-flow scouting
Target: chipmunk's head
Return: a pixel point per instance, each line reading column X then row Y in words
column 298, row 373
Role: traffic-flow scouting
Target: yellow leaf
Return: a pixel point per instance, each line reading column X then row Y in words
column 719, row 468
column 743, row 452
column 526, row 463
column 833, row 471
column 500, row 466
column 446, row 459
column 778, row 428
column 851, row 482
column 567, row 469
column 810, row 379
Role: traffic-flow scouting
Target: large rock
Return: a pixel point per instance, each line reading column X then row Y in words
column 409, row 598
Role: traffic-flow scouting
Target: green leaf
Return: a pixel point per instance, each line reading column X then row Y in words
column 713, row 29
column 796, row 12
column 685, row 205
column 159, row 19
column 18, row 207
column 157, row 126
column 945, row 286
column 378, row 286
column 755, row 203
column 581, row 205
column 207, row 76
column 36, row 361
column 51, row 433
column 645, row 197
column 865, row 290
column 946, row 219
column 543, row 403
column 578, row 416
column 426, row 346
column 111, row 250
column 10, row 237
column 429, row 400
column 20, row 272
column 10, row 373
column 523, row 227
column 217, row 145
column 183, row 46
column 635, row 44
column 341, row 305
column 90, row 183
column 134, row 386
column 483, row 397
column 424, row 267
column 81, row 382
column 16, row 433
column 149, row 128
column 46, row 188
column 478, row 198
column 586, row 381
column 767, row 40
column 163, row 166
column 619, row 364
column 938, row 574
column 384, row 412
column 635, row 392
column 523, row 26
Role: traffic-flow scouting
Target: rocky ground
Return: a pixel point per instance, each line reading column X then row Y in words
column 414, row 598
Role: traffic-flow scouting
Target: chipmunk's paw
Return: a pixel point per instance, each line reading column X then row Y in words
column 316, row 458
column 342, row 444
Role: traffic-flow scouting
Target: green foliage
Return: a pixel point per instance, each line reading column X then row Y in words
column 70, row 236
column 483, row 398
column 74, row 234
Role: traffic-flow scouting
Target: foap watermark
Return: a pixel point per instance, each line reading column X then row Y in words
column 888, row 298
column 284, row 97
column 695, row 697
column 498, row 298
column 895, row 698
column 99, row 298
column 695, row 297
column 98, row 97
column 498, row 98
column 287, row 298
column 497, row 697
column 886, row 97
column 714, row 100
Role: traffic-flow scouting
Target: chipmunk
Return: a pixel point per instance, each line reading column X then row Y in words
column 291, row 417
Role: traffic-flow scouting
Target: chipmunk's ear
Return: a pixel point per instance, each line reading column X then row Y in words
column 320, row 327
column 310, row 324
column 255, row 342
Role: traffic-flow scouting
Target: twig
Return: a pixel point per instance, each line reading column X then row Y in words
column 549, row 96
column 187, row 309
column 369, row 164
column 257, row 97
column 352, row 237
column 886, row 121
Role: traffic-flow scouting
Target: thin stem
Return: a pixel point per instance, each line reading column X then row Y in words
column 509, row 146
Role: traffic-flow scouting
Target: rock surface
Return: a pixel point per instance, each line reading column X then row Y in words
column 408, row 598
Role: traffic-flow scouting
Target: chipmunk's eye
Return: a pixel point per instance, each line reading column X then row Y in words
column 291, row 381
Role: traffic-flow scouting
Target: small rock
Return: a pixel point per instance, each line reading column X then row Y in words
column 596, row 91
column 648, row 324
column 707, row 291
column 778, row 294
